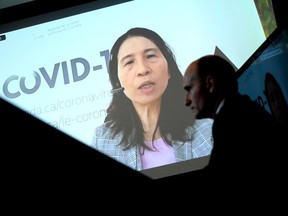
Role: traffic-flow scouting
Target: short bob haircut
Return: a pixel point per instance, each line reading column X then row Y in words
column 174, row 117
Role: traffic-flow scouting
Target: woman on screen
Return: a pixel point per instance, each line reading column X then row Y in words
column 147, row 125
column 276, row 99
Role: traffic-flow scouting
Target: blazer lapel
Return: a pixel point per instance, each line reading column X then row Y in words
column 132, row 158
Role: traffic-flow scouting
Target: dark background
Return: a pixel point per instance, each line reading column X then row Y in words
column 38, row 160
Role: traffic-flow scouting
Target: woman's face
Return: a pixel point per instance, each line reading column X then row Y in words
column 277, row 102
column 142, row 70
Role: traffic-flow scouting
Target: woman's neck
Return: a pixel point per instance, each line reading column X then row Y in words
column 149, row 117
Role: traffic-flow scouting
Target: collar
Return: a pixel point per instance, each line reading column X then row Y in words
column 220, row 106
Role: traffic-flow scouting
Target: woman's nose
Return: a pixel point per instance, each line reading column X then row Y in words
column 143, row 68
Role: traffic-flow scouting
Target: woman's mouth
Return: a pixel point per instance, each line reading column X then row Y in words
column 146, row 85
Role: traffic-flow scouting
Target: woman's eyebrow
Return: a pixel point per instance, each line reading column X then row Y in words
column 151, row 49
column 145, row 51
column 125, row 57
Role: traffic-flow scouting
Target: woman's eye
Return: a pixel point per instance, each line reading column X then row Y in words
column 151, row 56
column 128, row 62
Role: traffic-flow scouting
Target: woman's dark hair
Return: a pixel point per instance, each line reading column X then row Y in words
column 174, row 115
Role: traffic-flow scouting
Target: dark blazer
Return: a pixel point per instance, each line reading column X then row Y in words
column 248, row 142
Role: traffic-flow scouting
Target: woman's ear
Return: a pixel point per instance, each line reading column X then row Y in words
column 210, row 83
